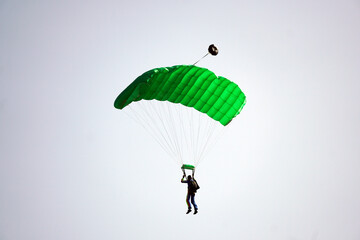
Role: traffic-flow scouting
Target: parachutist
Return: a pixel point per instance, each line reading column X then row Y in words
column 192, row 188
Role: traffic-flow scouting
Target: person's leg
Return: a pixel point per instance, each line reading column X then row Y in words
column 193, row 201
column 188, row 203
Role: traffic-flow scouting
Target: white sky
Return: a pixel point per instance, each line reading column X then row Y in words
column 73, row 167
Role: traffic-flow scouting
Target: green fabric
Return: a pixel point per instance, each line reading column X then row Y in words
column 191, row 86
column 187, row 166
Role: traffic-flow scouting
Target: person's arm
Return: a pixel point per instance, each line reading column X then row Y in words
column 182, row 179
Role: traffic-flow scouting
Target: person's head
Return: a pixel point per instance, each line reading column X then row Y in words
column 189, row 177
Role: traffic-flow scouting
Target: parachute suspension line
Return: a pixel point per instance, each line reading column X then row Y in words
column 154, row 122
column 183, row 119
column 186, row 137
column 145, row 124
column 204, row 134
column 207, row 139
column 170, row 139
column 181, row 116
column 168, row 114
column 203, row 128
column 211, row 50
column 174, row 132
column 167, row 128
column 215, row 139
column 159, row 133
column 192, row 134
column 197, row 139
column 200, row 59
column 179, row 127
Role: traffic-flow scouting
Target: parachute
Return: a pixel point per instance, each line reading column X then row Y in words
column 184, row 107
column 191, row 86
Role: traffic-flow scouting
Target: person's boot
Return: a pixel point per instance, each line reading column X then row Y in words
column 196, row 211
column 188, row 211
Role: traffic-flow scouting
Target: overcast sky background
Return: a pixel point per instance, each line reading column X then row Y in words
column 74, row 167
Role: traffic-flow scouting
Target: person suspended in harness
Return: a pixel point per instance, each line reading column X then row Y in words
column 192, row 188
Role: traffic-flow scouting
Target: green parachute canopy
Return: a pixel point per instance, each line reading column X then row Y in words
column 190, row 86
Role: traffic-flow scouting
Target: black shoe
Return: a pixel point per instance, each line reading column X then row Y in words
column 188, row 211
column 196, row 211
